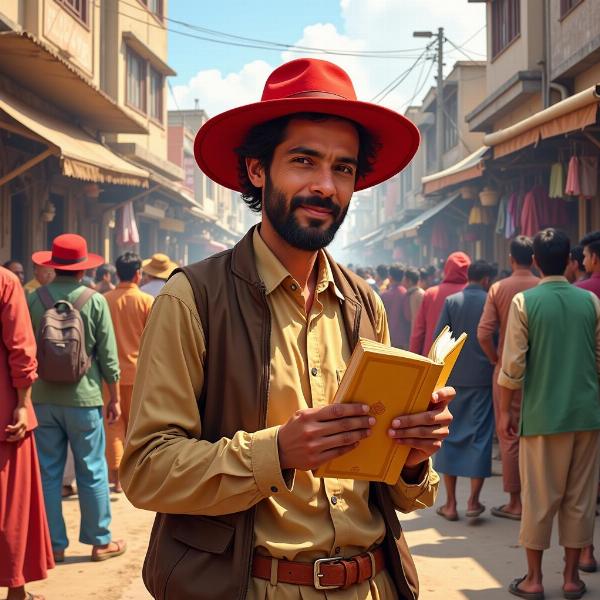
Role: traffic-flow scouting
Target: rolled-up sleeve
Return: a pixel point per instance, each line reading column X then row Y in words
column 516, row 345
column 106, row 343
column 17, row 334
column 166, row 466
column 414, row 496
column 489, row 322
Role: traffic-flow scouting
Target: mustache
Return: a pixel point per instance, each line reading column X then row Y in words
column 317, row 201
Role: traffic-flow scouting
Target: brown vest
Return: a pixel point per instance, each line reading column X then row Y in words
column 196, row 557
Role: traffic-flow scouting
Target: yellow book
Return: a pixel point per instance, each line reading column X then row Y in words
column 392, row 382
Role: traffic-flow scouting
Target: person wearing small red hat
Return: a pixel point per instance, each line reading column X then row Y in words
column 70, row 413
column 241, row 358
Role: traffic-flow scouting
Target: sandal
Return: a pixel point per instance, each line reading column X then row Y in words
column 473, row 514
column 31, row 596
column 498, row 511
column 59, row 556
column 577, row 594
column 98, row 556
column 440, row 511
column 588, row 567
column 515, row 590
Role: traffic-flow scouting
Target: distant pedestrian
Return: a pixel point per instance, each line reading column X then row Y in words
column 575, row 269
column 382, row 278
column 455, row 279
column 41, row 276
column 552, row 352
column 156, row 271
column 68, row 404
column 25, row 548
column 394, row 299
column 467, row 451
column 17, row 268
column 104, row 279
column 414, row 296
column 129, row 309
column 591, row 263
column 492, row 329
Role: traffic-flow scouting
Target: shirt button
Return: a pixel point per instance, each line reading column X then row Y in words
column 333, row 500
column 314, row 371
column 293, row 287
column 274, row 489
column 337, row 549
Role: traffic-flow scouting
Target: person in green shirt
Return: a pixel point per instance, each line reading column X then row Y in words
column 552, row 352
column 71, row 413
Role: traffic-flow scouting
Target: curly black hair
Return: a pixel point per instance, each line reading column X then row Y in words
column 262, row 140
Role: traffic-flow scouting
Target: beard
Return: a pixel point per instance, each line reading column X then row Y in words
column 282, row 217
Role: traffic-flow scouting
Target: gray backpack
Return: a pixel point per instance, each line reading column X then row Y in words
column 61, row 353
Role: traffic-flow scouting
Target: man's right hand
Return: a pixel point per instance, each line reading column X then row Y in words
column 314, row 436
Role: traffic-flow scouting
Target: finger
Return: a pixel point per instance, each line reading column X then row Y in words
column 431, row 418
column 431, row 433
column 346, row 424
column 346, row 438
column 429, row 446
column 335, row 452
column 341, row 410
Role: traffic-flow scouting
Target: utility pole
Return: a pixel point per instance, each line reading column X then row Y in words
column 439, row 112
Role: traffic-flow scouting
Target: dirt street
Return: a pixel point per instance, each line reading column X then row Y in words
column 464, row 560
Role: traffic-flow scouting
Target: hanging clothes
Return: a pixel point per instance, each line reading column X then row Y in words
column 127, row 234
column 530, row 218
column 588, row 176
column 511, row 213
column 572, row 187
column 557, row 181
column 501, row 218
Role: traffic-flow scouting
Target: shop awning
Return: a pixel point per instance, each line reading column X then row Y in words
column 368, row 239
column 134, row 42
column 36, row 66
column 468, row 168
column 571, row 114
column 80, row 155
column 411, row 228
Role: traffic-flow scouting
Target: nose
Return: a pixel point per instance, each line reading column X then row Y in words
column 322, row 183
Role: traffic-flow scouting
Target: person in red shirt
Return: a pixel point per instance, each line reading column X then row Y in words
column 591, row 262
column 394, row 298
column 25, row 547
column 455, row 280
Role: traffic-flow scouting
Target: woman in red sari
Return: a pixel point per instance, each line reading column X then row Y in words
column 25, row 545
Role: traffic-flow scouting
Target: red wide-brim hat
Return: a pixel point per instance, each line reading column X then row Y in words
column 69, row 253
column 306, row 85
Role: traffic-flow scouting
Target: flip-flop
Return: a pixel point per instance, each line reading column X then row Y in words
column 440, row 511
column 473, row 514
column 498, row 511
column 575, row 595
column 514, row 589
column 588, row 567
column 121, row 547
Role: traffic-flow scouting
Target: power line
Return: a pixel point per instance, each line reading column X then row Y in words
column 420, row 89
column 173, row 94
column 470, row 58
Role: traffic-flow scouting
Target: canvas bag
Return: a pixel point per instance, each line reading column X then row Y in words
column 61, row 352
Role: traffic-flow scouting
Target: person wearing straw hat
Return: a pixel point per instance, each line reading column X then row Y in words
column 69, row 411
column 156, row 270
column 243, row 353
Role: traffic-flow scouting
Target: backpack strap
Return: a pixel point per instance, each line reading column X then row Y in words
column 45, row 297
column 83, row 298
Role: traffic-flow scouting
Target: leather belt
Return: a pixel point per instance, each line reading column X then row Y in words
column 323, row 573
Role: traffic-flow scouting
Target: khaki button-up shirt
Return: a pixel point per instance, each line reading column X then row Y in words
column 299, row 516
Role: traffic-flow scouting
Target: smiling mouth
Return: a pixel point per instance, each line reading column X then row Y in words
column 316, row 211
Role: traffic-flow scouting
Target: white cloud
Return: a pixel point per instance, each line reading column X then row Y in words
column 367, row 25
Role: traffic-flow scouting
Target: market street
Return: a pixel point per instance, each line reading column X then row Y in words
column 464, row 560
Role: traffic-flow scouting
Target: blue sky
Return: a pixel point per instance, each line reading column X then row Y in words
column 221, row 76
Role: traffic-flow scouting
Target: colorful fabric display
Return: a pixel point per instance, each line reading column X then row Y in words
column 501, row 218
column 588, row 176
column 557, row 181
column 572, row 187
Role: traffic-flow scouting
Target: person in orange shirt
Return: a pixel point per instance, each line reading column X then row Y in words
column 129, row 309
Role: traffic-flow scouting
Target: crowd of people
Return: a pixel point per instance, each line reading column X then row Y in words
column 70, row 342
column 549, row 444
column 60, row 427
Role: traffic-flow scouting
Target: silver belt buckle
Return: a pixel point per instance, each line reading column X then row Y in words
column 317, row 573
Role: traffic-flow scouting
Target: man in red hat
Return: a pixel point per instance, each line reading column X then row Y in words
column 242, row 356
column 69, row 411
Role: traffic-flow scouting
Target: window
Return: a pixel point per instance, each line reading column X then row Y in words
column 136, row 81
column 156, row 95
column 450, row 118
column 154, row 6
column 506, row 23
column 78, row 8
column 566, row 6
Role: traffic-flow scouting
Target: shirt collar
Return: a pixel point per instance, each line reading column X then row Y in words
column 126, row 285
column 522, row 272
column 553, row 279
column 273, row 273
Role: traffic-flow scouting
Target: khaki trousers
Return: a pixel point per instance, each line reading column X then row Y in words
column 115, row 432
column 509, row 449
column 559, row 474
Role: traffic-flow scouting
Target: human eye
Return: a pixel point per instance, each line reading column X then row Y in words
column 303, row 160
column 346, row 169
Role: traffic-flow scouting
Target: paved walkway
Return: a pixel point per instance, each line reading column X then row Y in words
column 464, row 560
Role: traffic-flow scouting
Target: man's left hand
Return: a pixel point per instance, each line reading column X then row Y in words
column 424, row 432
column 113, row 411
